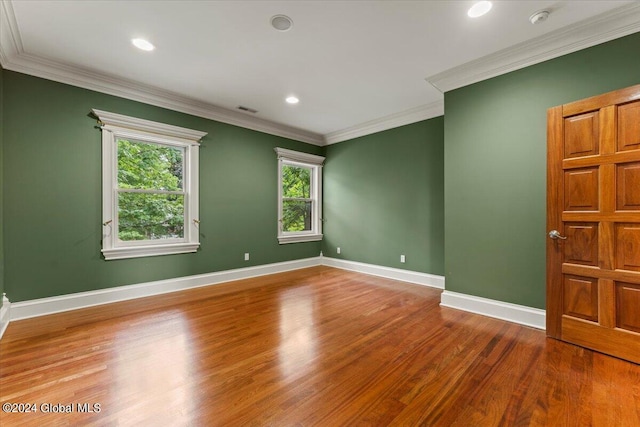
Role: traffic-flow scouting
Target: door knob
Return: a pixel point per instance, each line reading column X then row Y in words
column 555, row 234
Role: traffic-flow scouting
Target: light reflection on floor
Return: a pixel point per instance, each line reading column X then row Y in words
column 152, row 369
column 298, row 339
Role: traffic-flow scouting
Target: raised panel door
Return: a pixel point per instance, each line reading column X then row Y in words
column 593, row 204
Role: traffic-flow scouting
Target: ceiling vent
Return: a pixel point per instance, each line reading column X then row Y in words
column 247, row 109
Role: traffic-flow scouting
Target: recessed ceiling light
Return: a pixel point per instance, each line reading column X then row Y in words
column 281, row 22
column 143, row 44
column 292, row 100
column 479, row 9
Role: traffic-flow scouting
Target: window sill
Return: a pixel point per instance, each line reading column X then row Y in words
column 298, row 238
column 151, row 250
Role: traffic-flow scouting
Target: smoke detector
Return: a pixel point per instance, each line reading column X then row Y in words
column 539, row 17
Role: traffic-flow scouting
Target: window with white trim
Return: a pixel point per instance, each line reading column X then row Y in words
column 299, row 196
column 150, row 197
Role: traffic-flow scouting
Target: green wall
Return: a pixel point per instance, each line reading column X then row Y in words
column 383, row 197
column 495, row 168
column 52, row 194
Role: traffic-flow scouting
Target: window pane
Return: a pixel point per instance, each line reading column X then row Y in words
column 149, row 166
column 144, row 216
column 296, row 182
column 296, row 215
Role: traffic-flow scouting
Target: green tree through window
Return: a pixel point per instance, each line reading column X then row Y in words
column 150, row 191
column 296, row 198
column 299, row 196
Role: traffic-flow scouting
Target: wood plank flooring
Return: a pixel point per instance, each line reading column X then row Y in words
column 313, row 347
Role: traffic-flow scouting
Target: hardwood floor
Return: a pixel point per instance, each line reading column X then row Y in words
column 313, row 347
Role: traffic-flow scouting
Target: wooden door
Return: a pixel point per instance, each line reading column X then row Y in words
column 593, row 202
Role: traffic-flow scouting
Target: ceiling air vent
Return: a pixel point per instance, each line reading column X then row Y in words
column 247, row 109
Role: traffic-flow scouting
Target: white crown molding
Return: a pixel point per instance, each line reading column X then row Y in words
column 414, row 277
column 76, row 76
column 10, row 41
column 614, row 24
column 413, row 115
column 523, row 315
column 617, row 23
column 14, row 58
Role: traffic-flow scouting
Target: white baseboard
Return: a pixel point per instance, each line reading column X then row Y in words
column 39, row 307
column 528, row 316
column 5, row 315
column 51, row 305
column 418, row 278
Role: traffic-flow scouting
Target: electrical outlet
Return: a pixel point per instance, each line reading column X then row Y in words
column 338, row 250
column 402, row 258
column 246, row 256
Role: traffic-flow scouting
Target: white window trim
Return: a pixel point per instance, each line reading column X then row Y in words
column 315, row 163
column 115, row 126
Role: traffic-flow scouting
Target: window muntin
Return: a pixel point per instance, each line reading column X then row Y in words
column 299, row 196
column 150, row 187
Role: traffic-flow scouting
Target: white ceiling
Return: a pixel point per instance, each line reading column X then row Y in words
column 357, row 66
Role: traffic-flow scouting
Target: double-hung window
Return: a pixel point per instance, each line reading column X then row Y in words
column 299, row 196
column 149, row 187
